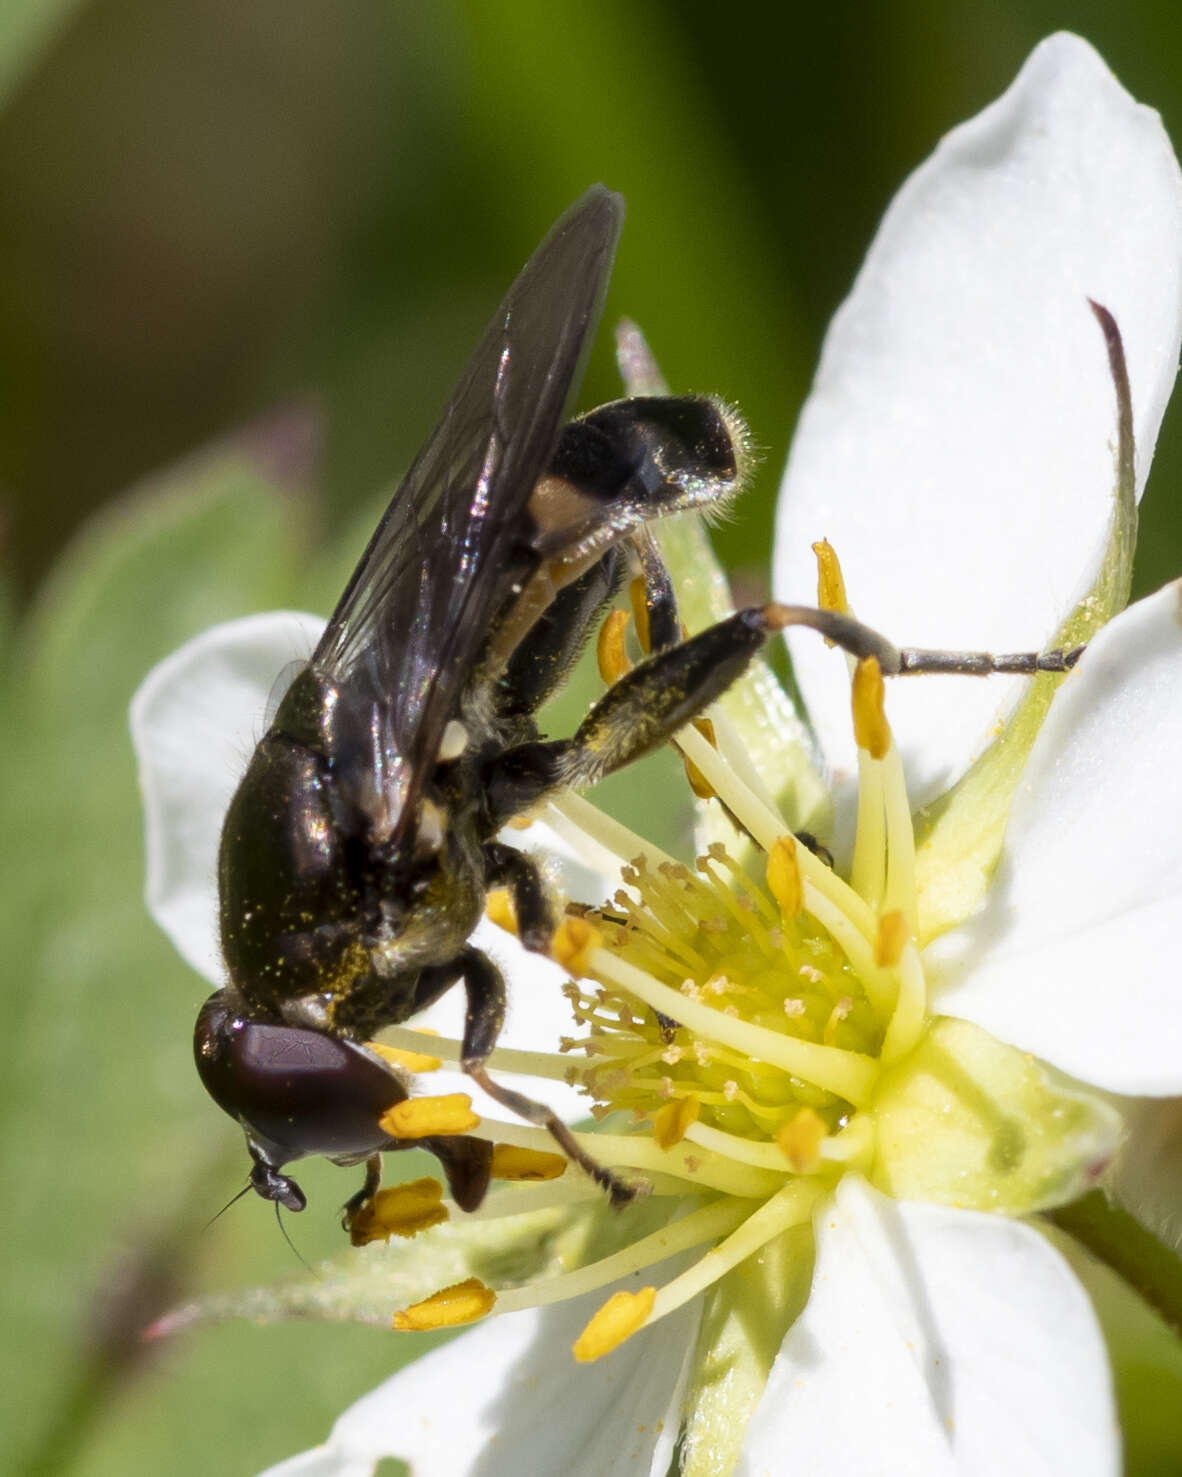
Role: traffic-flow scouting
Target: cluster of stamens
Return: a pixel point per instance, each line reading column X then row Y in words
column 735, row 1026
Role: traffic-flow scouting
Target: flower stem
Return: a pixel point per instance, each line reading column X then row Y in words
column 1121, row 1242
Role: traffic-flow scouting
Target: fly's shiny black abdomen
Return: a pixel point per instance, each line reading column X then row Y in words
column 290, row 873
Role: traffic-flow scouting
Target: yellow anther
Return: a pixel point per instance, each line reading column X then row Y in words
column 872, row 732
column 624, row 1314
column 512, row 1163
column 574, row 941
column 408, row 1061
column 698, row 782
column 783, row 877
column 498, row 909
column 423, row 1117
column 636, row 594
column 673, row 1119
column 402, row 1210
column 801, row 1139
column 830, row 584
column 890, row 940
column 464, row 1302
column 613, row 658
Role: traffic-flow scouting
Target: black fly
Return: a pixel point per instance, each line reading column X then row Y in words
column 359, row 848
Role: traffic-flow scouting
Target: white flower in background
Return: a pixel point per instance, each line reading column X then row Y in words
column 832, row 1262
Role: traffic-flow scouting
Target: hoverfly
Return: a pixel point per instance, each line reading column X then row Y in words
column 359, row 847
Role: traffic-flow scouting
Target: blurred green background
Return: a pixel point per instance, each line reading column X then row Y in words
column 295, row 217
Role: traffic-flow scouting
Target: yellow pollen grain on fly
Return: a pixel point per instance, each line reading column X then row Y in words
column 639, row 602
column 575, row 940
column 463, row 1302
column 610, row 651
column 511, row 1162
column 830, row 582
column 783, row 877
column 402, row 1210
column 800, row 1139
column 424, row 1117
column 624, row 1314
column 498, row 909
column 872, row 732
column 891, row 939
column 408, row 1061
column 672, row 1121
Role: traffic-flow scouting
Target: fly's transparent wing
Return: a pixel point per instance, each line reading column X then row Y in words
column 456, row 538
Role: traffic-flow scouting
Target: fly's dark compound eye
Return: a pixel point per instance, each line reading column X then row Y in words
column 296, row 1091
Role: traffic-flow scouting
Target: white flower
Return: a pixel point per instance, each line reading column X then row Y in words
column 958, row 452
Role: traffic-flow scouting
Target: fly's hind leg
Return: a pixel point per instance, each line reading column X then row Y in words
column 482, row 1025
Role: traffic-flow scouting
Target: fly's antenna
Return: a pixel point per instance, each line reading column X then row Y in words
column 233, row 1200
column 279, row 1222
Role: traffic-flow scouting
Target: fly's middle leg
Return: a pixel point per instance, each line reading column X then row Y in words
column 482, row 1025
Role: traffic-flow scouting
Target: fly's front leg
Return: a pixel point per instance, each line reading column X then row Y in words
column 508, row 867
column 482, row 1025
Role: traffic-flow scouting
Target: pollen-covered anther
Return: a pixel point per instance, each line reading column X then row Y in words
column 698, row 782
column 637, row 597
column 610, row 650
column 408, row 1061
column 498, row 909
column 424, row 1117
column 672, row 1121
column 509, row 1162
column 801, row 1138
column 463, row 1302
column 783, row 877
column 872, row 732
column 830, row 581
column 574, row 941
column 401, row 1210
column 624, row 1314
column 891, row 939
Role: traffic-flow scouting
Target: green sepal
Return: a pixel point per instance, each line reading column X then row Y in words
column 965, row 1120
column 747, row 1315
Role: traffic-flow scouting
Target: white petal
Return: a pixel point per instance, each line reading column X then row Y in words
column 957, row 447
column 1073, row 955
column 936, row 1343
column 539, row 1015
column 508, row 1398
column 195, row 719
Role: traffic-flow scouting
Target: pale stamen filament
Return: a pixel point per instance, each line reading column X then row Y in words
column 868, row 867
column 577, row 820
column 616, row 1150
column 767, row 827
column 503, row 1059
column 906, row 1025
column 790, row 1206
column 706, row 1224
column 900, row 841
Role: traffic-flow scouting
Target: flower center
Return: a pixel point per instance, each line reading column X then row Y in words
column 742, row 1023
